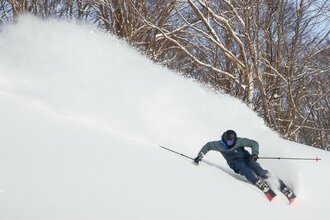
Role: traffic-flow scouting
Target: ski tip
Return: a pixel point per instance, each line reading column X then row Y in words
column 291, row 200
column 269, row 196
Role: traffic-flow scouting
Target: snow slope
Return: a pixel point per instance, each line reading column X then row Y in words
column 81, row 118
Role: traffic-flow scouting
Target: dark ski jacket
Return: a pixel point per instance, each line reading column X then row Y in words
column 234, row 154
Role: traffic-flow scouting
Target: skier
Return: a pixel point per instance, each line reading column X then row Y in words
column 238, row 159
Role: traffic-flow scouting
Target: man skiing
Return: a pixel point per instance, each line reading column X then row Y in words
column 240, row 160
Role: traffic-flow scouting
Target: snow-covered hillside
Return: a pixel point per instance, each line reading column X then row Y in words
column 81, row 118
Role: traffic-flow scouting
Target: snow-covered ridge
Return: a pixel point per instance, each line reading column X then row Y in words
column 82, row 114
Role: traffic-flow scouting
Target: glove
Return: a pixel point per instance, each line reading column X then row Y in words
column 197, row 159
column 254, row 157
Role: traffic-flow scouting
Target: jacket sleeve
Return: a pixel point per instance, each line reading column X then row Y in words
column 206, row 148
column 251, row 144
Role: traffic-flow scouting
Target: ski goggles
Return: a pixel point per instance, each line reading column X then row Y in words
column 230, row 142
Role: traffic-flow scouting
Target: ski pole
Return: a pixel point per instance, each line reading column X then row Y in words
column 176, row 152
column 290, row 158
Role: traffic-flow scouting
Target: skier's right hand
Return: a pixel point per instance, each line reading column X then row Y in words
column 254, row 157
column 197, row 160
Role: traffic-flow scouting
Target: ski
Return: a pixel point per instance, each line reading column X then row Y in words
column 270, row 194
column 281, row 186
column 265, row 188
column 289, row 194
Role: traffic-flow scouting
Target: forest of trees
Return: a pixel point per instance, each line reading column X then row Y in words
column 272, row 54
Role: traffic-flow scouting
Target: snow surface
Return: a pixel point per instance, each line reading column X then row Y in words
column 81, row 118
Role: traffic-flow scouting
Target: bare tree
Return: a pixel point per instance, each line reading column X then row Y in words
column 273, row 55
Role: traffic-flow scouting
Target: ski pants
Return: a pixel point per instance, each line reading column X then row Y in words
column 250, row 169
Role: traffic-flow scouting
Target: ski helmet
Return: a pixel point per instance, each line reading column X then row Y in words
column 229, row 137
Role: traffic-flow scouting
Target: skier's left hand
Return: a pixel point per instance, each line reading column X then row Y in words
column 197, row 160
column 254, row 157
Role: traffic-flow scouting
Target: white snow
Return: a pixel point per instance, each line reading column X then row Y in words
column 81, row 118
